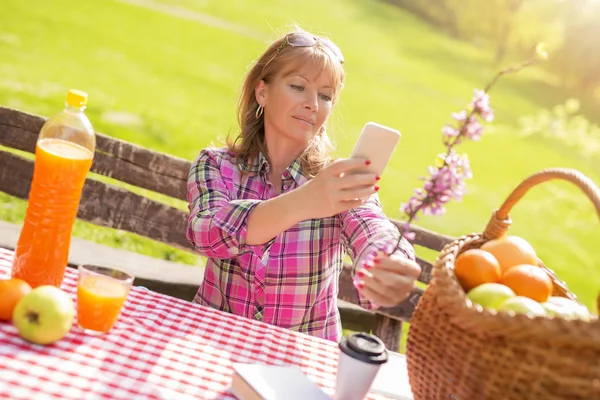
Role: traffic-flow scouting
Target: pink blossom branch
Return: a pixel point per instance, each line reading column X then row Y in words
column 447, row 180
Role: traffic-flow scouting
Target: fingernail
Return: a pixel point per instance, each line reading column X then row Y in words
column 376, row 261
column 360, row 273
column 377, row 177
column 368, row 162
column 360, row 285
column 368, row 265
column 376, row 188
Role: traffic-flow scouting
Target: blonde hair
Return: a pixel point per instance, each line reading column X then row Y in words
column 279, row 60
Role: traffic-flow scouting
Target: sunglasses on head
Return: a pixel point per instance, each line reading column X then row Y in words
column 301, row 39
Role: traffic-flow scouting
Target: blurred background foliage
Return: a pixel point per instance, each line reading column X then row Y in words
column 571, row 28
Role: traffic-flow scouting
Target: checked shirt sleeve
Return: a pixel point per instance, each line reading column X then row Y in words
column 217, row 225
column 366, row 230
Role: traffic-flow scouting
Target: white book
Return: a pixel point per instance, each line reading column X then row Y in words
column 273, row 382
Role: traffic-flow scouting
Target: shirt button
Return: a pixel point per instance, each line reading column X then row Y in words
column 286, row 187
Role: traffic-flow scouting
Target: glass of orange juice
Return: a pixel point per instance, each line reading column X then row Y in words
column 101, row 294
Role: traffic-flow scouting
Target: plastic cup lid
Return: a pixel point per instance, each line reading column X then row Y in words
column 364, row 347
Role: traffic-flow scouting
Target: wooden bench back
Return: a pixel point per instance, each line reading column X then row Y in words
column 104, row 204
column 112, row 206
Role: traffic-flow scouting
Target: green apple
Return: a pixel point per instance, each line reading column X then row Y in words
column 570, row 308
column 490, row 295
column 523, row 305
column 44, row 315
column 562, row 301
column 559, row 311
column 583, row 313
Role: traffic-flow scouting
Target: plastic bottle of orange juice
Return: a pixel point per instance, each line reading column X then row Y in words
column 63, row 157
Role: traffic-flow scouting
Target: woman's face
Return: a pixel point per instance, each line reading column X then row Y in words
column 296, row 106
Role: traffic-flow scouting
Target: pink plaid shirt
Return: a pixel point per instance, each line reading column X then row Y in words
column 292, row 280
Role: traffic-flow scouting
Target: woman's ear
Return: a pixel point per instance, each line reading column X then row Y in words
column 261, row 93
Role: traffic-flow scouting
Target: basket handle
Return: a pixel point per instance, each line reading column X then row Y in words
column 500, row 221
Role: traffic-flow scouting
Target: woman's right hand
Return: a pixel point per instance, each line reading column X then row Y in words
column 334, row 189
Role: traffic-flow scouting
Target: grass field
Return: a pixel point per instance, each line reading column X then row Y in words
column 165, row 74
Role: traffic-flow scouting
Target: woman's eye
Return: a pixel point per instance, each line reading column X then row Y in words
column 325, row 97
column 297, row 87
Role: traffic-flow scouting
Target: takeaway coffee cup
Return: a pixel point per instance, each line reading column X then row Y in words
column 361, row 355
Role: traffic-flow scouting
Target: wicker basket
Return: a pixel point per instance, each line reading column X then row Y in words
column 457, row 350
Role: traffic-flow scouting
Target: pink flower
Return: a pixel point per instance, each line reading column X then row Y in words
column 408, row 235
column 459, row 116
column 444, row 184
column 473, row 129
column 481, row 105
column 469, row 126
column 450, row 135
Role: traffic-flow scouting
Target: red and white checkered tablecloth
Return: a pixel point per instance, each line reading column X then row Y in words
column 160, row 348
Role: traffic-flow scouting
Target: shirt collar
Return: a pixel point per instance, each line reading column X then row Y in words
column 257, row 165
column 260, row 165
column 295, row 171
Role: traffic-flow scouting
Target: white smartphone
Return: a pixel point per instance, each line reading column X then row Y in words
column 377, row 144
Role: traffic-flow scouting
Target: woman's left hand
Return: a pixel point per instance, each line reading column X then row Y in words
column 386, row 280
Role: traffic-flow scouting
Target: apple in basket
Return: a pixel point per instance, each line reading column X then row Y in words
column 566, row 308
column 523, row 305
column 490, row 295
column 44, row 315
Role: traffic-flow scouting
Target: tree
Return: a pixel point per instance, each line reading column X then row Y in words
column 578, row 59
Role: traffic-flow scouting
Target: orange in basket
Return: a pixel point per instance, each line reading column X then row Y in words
column 529, row 281
column 474, row 267
column 511, row 251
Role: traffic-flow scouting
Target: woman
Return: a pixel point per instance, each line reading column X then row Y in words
column 275, row 215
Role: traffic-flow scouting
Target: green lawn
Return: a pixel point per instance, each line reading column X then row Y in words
column 165, row 75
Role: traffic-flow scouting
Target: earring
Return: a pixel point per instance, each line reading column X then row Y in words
column 259, row 111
